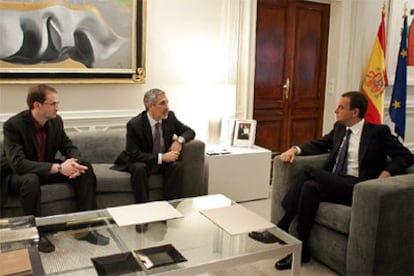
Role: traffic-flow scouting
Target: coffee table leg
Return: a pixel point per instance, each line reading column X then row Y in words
column 296, row 260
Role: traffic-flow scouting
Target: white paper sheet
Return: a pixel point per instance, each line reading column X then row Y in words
column 143, row 213
column 237, row 219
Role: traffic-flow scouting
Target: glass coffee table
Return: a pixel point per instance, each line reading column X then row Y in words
column 205, row 246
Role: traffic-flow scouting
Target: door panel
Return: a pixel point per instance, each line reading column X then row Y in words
column 303, row 130
column 291, row 44
column 309, row 51
column 265, row 131
column 270, row 56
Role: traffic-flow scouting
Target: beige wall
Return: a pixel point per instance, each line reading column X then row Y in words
column 187, row 55
column 201, row 52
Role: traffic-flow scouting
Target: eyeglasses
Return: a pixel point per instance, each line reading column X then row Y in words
column 52, row 104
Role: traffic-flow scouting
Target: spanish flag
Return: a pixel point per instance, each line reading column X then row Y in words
column 376, row 78
column 411, row 42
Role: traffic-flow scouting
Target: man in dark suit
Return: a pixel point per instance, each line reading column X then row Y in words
column 365, row 158
column 142, row 157
column 31, row 140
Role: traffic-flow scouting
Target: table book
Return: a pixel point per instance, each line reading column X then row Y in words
column 15, row 262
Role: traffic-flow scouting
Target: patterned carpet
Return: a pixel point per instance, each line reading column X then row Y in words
column 66, row 243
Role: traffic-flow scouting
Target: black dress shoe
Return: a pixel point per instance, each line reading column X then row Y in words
column 45, row 245
column 265, row 237
column 286, row 263
column 141, row 228
column 95, row 238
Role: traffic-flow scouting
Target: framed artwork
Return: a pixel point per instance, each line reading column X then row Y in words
column 244, row 133
column 72, row 41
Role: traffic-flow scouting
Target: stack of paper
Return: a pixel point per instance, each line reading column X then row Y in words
column 143, row 213
column 237, row 219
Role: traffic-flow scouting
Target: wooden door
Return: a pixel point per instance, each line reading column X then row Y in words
column 290, row 74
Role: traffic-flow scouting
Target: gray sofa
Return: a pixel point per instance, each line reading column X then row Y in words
column 374, row 236
column 113, row 187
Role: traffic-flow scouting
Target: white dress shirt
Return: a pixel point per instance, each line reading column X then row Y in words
column 353, row 148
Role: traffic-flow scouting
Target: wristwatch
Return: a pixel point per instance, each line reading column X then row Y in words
column 181, row 139
column 59, row 167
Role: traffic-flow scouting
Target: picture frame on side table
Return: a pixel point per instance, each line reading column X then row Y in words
column 244, row 133
column 71, row 41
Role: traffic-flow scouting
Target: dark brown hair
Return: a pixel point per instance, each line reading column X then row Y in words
column 38, row 93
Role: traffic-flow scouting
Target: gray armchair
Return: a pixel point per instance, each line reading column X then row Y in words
column 374, row 236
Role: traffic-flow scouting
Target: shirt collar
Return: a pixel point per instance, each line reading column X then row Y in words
column 357, row 127
column 152, row 121
column 37, row 125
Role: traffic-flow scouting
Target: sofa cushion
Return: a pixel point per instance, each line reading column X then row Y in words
column 334, row 216
column 410, row 169
column 109, row 180
column 329, row 246
column 99, row 146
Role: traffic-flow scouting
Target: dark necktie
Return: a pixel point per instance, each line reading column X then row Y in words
column 156, row 148
column 342, row 162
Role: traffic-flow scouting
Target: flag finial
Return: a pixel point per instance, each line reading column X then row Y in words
column 405, row 9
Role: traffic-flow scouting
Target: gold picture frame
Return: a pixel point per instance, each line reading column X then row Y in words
column 62, row 41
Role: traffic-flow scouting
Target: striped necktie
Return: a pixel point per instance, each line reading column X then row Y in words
column 341, row 167
column 156, row 148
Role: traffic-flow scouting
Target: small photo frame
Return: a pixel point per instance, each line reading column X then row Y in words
column 244, row 133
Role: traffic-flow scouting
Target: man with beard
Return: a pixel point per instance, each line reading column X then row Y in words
column 31, row 140
column 154, row 141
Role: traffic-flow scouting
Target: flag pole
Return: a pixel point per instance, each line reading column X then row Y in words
column 405, row 9
column 398, row 101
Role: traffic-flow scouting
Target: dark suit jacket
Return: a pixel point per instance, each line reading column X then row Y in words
column 139, row 139
column 376, row 145
column 20, row 146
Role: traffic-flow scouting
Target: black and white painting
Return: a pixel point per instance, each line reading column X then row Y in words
column 71, row 36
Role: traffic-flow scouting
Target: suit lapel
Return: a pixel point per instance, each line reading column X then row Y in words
column 364, row 142
column 166, row 132
column 338, row 139
column 148, row 132
column 29, row 125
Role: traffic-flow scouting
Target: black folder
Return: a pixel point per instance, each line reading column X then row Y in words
column 116, row 264
column 159, row 256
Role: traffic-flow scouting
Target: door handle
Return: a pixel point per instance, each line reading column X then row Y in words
column 286, row 87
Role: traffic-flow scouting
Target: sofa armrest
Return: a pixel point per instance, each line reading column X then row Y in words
column 381, row 236
column 192, row 156
column 283, row 176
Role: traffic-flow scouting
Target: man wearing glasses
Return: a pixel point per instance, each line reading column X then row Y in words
column 31, row 140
